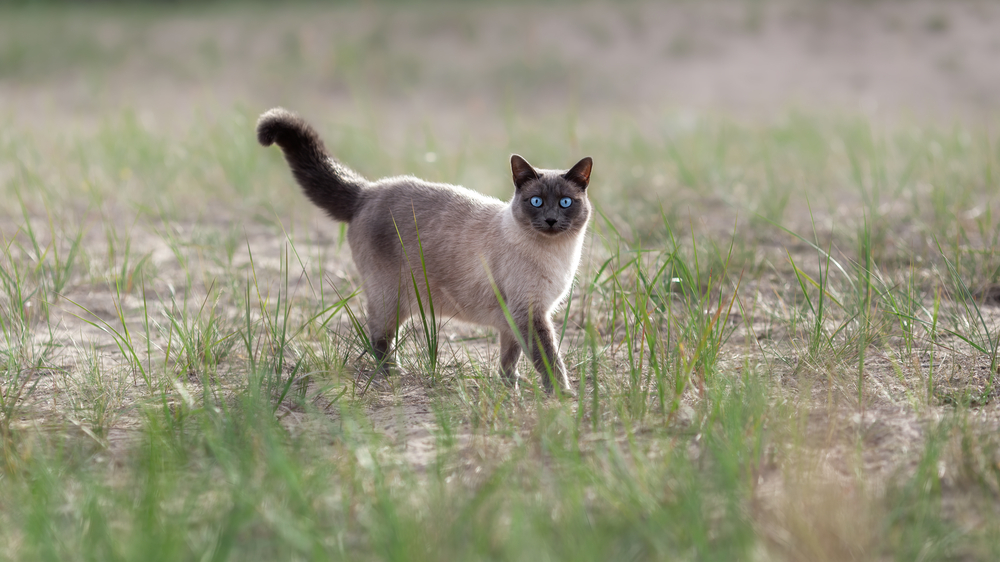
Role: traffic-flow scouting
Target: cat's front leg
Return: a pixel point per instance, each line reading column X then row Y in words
column 541, row 347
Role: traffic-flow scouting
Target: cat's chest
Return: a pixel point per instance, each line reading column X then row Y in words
column 541, row 274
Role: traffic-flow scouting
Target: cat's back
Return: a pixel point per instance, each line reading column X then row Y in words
column 446, row 218
column 410, row 204
column 409, row 196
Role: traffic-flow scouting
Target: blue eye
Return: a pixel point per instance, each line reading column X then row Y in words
column 536, row 201
column 565, row 202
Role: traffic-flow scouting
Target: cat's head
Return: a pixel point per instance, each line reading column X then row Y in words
column 551, row 202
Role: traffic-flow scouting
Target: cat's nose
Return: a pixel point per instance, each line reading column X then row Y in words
column 550, row 221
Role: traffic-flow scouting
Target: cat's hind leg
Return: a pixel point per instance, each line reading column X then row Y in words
column 381, row 344
column 385, row 314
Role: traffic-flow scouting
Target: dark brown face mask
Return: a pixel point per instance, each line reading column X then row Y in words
column 551, row 202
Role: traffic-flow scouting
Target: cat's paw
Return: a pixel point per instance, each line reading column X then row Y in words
column 566, row 392
column 378, row 379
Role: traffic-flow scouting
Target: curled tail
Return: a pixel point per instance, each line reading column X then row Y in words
column 329, row 184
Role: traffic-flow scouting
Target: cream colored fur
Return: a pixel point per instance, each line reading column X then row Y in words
column 466, row 247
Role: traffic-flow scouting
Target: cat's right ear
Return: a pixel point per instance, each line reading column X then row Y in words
column 521, row 170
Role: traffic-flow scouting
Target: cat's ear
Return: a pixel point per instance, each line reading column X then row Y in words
column 522, row 171
column 580, row 173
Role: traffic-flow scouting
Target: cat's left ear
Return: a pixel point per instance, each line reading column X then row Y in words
column 580, row 173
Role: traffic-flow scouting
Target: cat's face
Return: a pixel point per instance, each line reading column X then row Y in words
column 548, row 201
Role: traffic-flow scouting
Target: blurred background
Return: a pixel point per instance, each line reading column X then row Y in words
column 468, row 68
column 666, row 96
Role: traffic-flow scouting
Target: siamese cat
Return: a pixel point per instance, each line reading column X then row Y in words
column 473, row 255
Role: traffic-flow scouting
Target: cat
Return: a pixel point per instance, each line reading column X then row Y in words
column 472, row 252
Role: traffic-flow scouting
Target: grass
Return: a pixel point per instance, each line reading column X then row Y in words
column 212, row 409
column 780, row 337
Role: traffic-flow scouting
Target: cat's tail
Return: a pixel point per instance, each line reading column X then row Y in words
column 329, row 184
